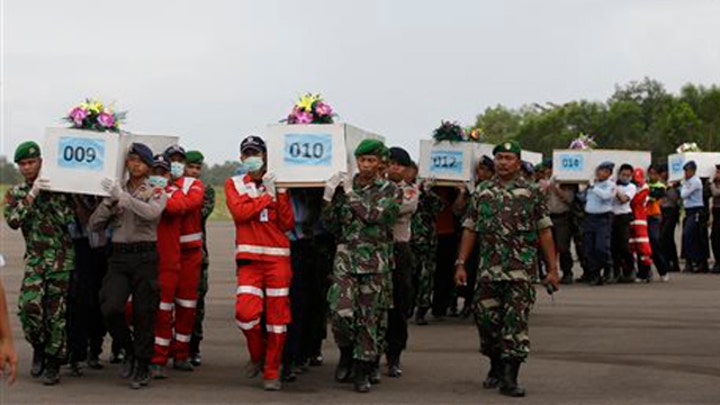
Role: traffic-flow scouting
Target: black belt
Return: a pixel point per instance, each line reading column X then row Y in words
column 137, row 247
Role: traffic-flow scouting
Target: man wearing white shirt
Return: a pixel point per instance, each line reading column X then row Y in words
column 623, row 263
column 694, row 245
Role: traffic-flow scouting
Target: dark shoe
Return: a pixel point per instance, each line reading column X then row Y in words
column 117, row 357
column 288, row 373
column 466, row 311
column 361, row 369
column 141, row 377
column 127, row 369
column 394, row 370
column 75, row 369
column 596, row 281
column 272, row 385
column 157, row 372
column 316, row 361
column 183, row 365
column 493, row 378
column 195, row 359
column 252, row 370
column 567, row 279
column 38, row 362
column 93, row 362
column 453, row 311
column 343, row 371
column 374, row 373
column 420, row 316
column 51, row 376
column 508, row 383
column 715, row 269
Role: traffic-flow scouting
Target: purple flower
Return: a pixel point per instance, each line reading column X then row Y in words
column 106, row 119
column 78, row 115
column 323, row 109
column 303, row 117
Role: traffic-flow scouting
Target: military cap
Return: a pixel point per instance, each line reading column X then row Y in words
column 606, row 165
column 488, row 162
column 253, row 142
column 174, row 150
column 400, row 156
column 194, row 157
column 527, row 167
column 508, row 147
column 162, row 162
column 143, row 152
column 27, row 150
column 371, row 147
column 691, row 165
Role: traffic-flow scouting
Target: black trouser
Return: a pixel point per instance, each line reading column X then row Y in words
column 397, row 332
column 661, row 264
column 301, row 260
column 316, row 283
column 597, row 228
column 715, row 236
column 562, row 236
column 623, row 260
column 668, row 247
column 694, row 237
column 444, row 273
column 133, row 270
column 77, row 305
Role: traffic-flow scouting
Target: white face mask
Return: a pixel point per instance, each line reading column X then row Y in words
column 253, row 163
column 158, row 181
column 177, row 169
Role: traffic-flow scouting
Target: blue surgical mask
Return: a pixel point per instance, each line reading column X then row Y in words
column 158, row 181
column 177, row 169
column 253, row 163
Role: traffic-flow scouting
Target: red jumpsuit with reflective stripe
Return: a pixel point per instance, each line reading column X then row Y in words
column 263, row 273
column 639, row 238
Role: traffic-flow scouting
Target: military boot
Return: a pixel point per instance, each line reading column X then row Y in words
column 394, row 369
column 127, row 368
column 362, row 370
column 141, row 376
column 183, row 365
column 508, row 383
column 343, row 372
column 51, row 375
column 38, row 361
column 420, row 316
column 195, row 358
column 493, row 378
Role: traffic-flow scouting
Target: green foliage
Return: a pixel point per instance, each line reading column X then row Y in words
column 8, row 172
column 218, row 173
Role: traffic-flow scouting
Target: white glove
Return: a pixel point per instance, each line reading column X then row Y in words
column 269, row 183
column 36, row 187
column 470, row 185
column 347, row 180
column 331, row 185
column 428, row 184
column 111, row 187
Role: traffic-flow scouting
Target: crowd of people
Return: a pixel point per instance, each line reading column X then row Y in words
column 369, row 251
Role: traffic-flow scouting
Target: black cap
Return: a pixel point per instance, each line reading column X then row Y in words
column 691, row 165
column 528, row 167
column 161, row 161
column 400, row 156
column 662, row 168
column 252, row 142
column 174, row 150
column 548, row 163
column 143, row 152
column 488, row 162
column 606, row 165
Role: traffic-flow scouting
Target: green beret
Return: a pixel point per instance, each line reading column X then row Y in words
column 27, row 150
column 371, row 147
column 194, row 157
column 508, row 147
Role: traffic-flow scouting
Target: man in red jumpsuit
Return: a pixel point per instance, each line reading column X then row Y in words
column 190, row 257
column 639, row 237
column 262, row 217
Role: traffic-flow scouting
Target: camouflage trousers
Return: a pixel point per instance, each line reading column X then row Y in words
column 43, row 297
column 424, row 275
column 502, row 311
column 358, row 307
column 197, row 335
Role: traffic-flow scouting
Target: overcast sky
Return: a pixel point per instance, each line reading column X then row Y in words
column 214, row 71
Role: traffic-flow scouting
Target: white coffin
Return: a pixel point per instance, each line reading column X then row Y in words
column 308, row 155
column 579, row 165
column 705, row 161
column 76, row 161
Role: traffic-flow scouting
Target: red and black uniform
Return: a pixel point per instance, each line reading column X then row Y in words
column 263, row 267
column 639, row 238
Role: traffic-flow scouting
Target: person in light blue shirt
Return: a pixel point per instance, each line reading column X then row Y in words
column 598, row 223
column 691, row 192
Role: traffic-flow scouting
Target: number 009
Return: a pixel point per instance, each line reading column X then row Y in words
column 79, row 154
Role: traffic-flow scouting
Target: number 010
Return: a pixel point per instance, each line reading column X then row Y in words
column 307, row 150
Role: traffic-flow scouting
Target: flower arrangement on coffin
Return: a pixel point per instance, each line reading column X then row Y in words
column 583, row 142
column 311, row 109
column 449, row 131
column 92, row 114
column 688, row 147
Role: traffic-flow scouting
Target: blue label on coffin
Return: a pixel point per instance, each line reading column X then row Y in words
column 571, row 162
column 81, row 153
column 308, row 150
column 444, row 162
column 676, row 164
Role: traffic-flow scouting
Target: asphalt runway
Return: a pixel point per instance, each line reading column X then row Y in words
column 621, row 344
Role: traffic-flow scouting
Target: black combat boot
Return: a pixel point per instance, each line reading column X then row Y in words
column 420, row 316
column 141, row 375
column 93, row 360
column 38, row 361
column 394, row 369
column 374, row 373
column 362, row 370
column 343, row 371
column 493, row 378
column 127, row 368
column 195, row 358
column 508, row 383
column 51, row 375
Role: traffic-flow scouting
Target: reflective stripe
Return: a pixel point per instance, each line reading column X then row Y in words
column 187, row 183
column 248, row 289
column 638, row 222
column 277, row 292
column 166, row 306
column 639, row 240
column 182, row 338
column 186, row 303
column 276, row 328
column 162, row 342
column 247, row 326
column 243, row 188
column 191, row 237
column 263, row 250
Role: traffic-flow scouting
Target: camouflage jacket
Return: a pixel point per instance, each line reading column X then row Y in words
column 424, row 234
column 44, row 222
column 208, row 205
column 362, row 222
column 507, row 218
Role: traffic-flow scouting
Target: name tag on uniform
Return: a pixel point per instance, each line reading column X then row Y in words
column 264, row 215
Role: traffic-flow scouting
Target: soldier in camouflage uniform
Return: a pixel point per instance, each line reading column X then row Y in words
column 194, row 163
column 507, row 218
column 43, row 218
column 361, row 217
